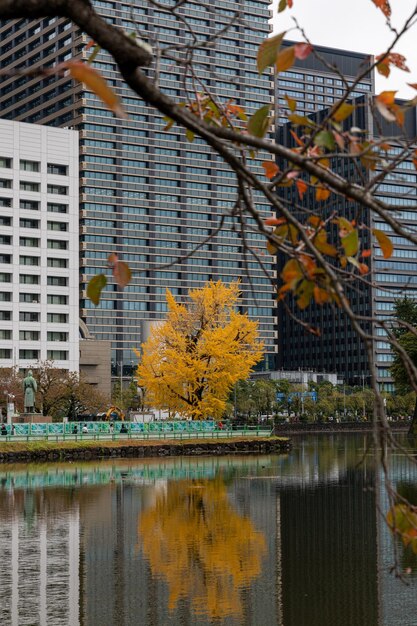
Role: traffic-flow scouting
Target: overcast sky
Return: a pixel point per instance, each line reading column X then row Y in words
column 359, row 26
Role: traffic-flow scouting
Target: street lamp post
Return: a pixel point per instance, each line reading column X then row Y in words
column 10, row 406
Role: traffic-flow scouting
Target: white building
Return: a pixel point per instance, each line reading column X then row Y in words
column 39, row 242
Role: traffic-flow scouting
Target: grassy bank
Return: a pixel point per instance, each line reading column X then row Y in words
column 68, row 450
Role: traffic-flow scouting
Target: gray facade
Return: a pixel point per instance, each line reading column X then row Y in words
column 338, row 349
column 316, row 87
column 147, row 193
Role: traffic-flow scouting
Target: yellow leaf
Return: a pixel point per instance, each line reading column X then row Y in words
column 95, row 287
column 343, row 112
column 385, row 243
column 285, row 59
column 96, row 83
column 322, row 193
column 268, row 51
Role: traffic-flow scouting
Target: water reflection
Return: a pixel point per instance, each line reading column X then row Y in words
column 253, row 541
column 193, row 533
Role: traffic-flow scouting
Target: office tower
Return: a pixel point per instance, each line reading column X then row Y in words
column 316, row 88
column 38, row 246
column 146, row 193
column 338, row 348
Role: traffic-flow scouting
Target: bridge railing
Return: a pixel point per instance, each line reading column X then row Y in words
column 138, row 430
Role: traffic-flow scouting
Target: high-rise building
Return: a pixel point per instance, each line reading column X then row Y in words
column 148, row 194
column 316, row 84
column 315, row 87
column 38, row 246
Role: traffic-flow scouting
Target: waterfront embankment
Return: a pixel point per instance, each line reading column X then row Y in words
column 20, row 451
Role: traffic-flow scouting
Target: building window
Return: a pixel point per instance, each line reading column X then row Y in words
column 55, row 244
column 57, row 318
column 54, row 207
column 29, row 242
column 5, row 162
column 29, row 205
column 61, row 170
column 5, row 220
column 29, row 166
column 6, row 258
column 5, row 277
column 29, row 186
column 59, row 190
column 5, row 202
column 5, row 183
column 5, row 333
column 57, row 299
column 60, row 226
column 29, row 316
column 5, row 316
column 5, row 240
column 56, row 336
column 57, row 262
column 30, row 298
column 29, row 335
column 27, row 223
column 29, row 279
column 5, row 353
column 57, row 281
column 57, row 355
column 29, row 354
column 29, row 260
column 5, row 296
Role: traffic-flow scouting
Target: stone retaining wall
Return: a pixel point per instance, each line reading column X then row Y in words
column 254, row 446
column 333, row 427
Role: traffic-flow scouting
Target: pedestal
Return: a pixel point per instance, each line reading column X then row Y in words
column 31, row 418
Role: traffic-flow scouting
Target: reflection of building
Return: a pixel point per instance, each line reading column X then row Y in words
column 73, row 556
column 39, row 567
column 39, row 242
column 329, row 554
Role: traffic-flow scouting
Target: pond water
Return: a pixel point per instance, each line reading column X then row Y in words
column 284, row 540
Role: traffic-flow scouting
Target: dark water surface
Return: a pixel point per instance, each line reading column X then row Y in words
column 291, row 540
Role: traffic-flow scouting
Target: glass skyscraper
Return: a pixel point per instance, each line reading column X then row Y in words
column 316, row 86
column 148, row 194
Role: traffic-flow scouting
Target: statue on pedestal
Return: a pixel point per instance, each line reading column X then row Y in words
column 29, row 387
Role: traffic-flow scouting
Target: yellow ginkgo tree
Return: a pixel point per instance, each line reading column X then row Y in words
column 191, row 361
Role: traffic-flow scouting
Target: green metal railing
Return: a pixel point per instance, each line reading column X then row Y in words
column 129, row 430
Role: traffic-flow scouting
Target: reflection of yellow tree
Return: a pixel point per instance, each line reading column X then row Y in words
column 197, row 542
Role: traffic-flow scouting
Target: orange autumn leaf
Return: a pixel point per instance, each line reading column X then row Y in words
column 320, row 295
column 386, row 97
column 398, row 60
column 322, row 193
column 384, row 5
column 274, row 221
column 363, row 268
column 297, row 139
column 96, row 83
column 271, row 169
column 301, row 188
column 122, row 274
column 366, row 253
